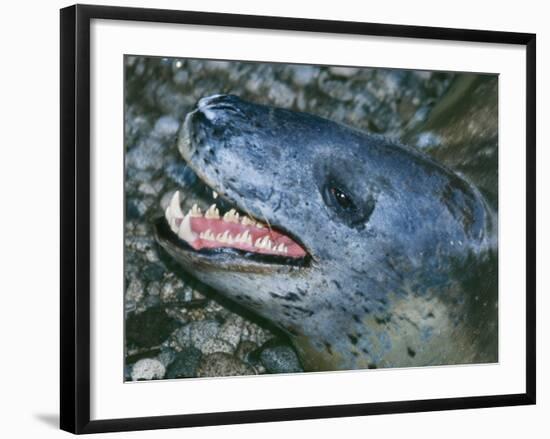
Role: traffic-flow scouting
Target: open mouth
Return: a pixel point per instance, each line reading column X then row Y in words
column 206, row 223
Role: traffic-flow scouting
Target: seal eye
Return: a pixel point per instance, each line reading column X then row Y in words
column 347, row 202
column 343, row 199
column 354, row 211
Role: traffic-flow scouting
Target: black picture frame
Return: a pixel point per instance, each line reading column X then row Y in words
column 75, row 217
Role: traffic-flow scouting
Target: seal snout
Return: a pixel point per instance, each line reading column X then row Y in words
column 211, row 111
column 214, row 121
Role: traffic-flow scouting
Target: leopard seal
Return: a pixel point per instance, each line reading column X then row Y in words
column 365, row 252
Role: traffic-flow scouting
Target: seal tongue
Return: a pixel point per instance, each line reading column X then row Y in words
column 212, row 231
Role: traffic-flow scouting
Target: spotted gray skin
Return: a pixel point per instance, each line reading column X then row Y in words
column 408, row 277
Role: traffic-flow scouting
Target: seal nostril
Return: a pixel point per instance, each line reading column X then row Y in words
column 220, row 101
column 203, row 102
column 225, row 106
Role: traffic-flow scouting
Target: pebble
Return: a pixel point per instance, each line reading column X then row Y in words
column 216, row 345
column 345, row 72
column 255, row 333
column 152, row 256
column 186, row 293
column 135, row 290
column 166, row 126
column 281, row 94
column 146, row 155
column 279, row 358
column 147, row 189
column 181, row 77
column 184, row 364
column 135, row 209
column 166, row 356
column 168, row 99
column 335, row 88
column 148, row 369
column 231, row 331
column 170, row 289
column 149, row 328
column 221, row 364
column 303, row 75
column 197, row 334
column 154, row 272
column 141, row 243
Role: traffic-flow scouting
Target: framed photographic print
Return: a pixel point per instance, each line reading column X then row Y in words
column 269, row 218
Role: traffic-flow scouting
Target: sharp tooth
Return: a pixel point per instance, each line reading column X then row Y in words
column 224, row 237
column 281, row 248
column 209, row 235
column 244, row 237
column 238, row 238
column 235, row 215
column 259, row 225
column 264, row 242
column 285, row 249
column 247, row 238
column 214, row 194
column 196, row 211
column 175, row 205
column 247, row 221
column 185, row 232
column 212, row 212
column 231, row 217
column 229, row 238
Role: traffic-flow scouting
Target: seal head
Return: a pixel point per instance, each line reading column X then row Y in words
column 366, row 252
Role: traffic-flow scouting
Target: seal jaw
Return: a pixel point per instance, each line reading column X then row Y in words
column 232, row 230
column 223, row 233
column 223, row 258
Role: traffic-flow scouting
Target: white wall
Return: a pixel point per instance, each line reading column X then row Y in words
column 29, row 222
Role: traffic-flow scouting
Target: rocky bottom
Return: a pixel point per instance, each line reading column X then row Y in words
column 176, row 328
